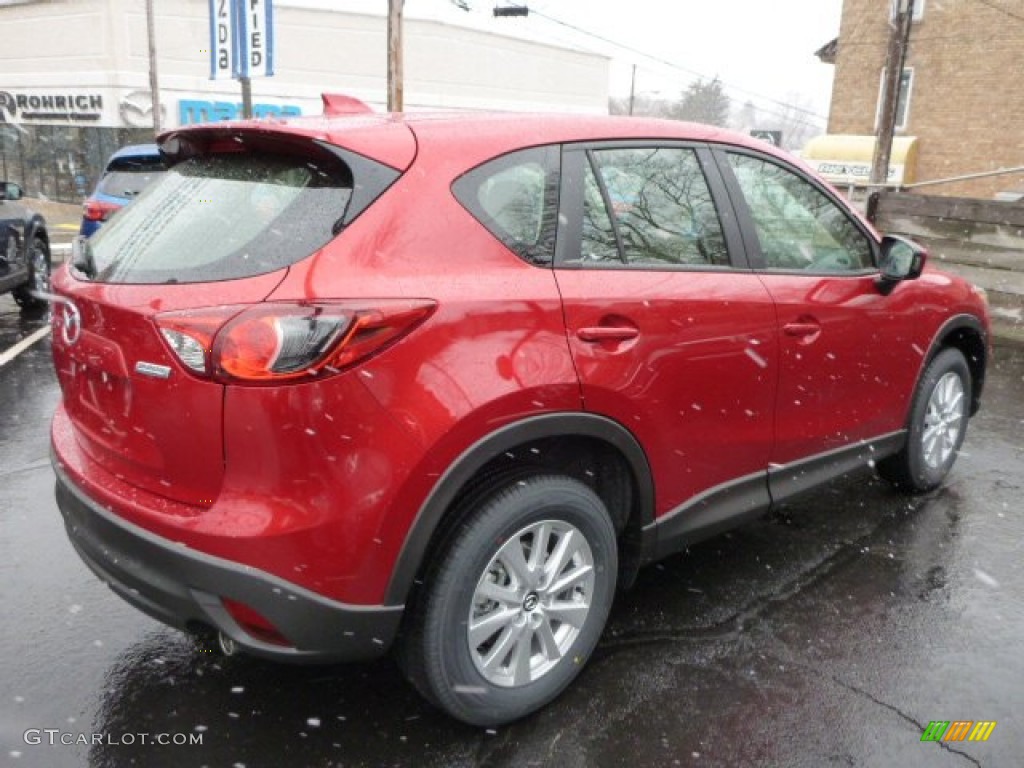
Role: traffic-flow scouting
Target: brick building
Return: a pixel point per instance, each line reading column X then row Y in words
column 963, row 87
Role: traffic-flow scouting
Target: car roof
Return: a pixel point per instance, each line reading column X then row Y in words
column 549, row 128
column 136, row 150
column 505, row 130
column 502, row 132
column 388, row 137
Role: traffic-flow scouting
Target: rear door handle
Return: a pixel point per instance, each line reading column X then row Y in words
column 802, row 329
column 607, row 333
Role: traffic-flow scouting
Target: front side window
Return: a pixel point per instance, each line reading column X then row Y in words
column 798, row 226
column 224, row 216
column 650, row 206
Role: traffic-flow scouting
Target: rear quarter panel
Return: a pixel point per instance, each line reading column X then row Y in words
column 493, row 352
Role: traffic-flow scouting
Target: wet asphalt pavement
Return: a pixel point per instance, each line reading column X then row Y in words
column 829, row 634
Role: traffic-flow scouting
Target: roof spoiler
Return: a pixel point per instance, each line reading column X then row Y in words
column 340, row 104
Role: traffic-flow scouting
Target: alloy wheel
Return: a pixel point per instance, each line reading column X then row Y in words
column 530, row 603
column 943, row 420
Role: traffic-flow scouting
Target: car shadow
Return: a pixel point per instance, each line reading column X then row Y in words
column 247, row 711
column 700, row 604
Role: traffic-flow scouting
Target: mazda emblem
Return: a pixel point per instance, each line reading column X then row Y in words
column 71, row 325
column 70, row 319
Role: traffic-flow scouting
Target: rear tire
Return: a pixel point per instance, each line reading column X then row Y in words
column 39, row 269
column 938, row 424
column 515, row 604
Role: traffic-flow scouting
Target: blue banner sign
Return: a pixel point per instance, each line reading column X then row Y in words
column 241, row 38
column 191, row 111
column 255, row 38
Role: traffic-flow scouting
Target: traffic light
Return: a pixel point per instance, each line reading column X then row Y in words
column 511, row 10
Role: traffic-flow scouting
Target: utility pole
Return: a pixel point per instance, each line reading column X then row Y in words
column 154, row 88
column 395, row 84
column 632, row 89
column 896, row 57
column 246, row 83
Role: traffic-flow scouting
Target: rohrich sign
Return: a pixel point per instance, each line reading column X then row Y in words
column 47, row 106
column 113, row 108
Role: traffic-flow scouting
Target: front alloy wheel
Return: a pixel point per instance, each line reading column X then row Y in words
column 943, row 420
column 938, row 424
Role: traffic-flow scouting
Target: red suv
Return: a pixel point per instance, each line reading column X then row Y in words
column 443, row 384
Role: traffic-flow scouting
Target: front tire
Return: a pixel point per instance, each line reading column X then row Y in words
column 516, row 603
column 938, row 425
column 39, row 268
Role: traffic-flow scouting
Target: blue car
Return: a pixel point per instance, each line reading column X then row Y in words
column 129, row 170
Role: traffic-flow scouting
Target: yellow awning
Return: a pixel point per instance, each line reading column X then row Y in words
column 846, row 160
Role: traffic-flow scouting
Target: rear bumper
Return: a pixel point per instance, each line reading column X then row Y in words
column 183, row 588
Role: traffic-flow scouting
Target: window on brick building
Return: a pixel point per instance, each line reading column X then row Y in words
column 903, row 106
column 894, row 7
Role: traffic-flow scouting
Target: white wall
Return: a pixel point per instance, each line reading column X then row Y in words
column 100, row 46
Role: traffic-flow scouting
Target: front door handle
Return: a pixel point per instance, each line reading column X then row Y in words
column 607, row 333
column 804, row 330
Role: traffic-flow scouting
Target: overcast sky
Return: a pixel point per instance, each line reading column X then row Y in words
column 757, row 48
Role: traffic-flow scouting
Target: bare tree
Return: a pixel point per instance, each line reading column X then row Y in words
column 791, row 118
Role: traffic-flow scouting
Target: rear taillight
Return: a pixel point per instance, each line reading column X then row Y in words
column 272, row 343
column 190, row 334
column 98, row 210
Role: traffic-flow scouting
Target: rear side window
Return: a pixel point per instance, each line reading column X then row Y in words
column 516, row 198
column 650, row 207
column 225, row 215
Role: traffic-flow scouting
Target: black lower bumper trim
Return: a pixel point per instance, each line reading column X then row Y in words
column 183, row 588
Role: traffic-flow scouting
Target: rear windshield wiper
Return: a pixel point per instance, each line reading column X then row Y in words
column 82, row 258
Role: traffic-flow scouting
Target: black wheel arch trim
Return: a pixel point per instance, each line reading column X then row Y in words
column 37, row 227
column 969, row 322
column 475, row 457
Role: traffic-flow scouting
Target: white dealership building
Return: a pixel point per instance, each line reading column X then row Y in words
column 75, row 74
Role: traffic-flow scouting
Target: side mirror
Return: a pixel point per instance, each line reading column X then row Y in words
column 899, row 259
column 10, row 191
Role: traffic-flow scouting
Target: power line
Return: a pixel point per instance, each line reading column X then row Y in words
column 850, row 40
column 996, row 7
column 679, row 67
column 964, row 37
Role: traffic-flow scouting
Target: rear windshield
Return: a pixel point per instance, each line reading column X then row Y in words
column 127, row 177
column 223, row 216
